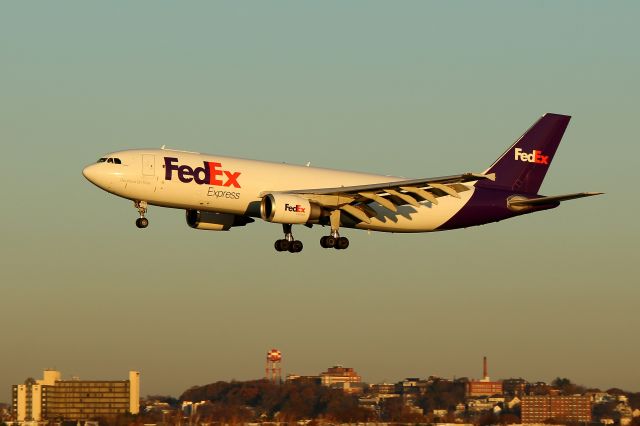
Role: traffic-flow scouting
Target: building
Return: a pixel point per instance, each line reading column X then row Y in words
column 477, row 388
column 339, row 374
column 55, row 399
column 538, row 409
column 412, row 386
column 478, row 405
column 484, row 386
column 514, row 387
column 351, row 388
column 383, row 389
column 308, row 379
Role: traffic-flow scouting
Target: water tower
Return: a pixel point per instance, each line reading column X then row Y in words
column 273, row 369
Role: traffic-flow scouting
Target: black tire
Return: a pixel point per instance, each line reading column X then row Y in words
column 342, row 243
column 277, row 246
column 295, row 246
column 329, row 241
column 323, row 242
column 284, row 245
column 142, row 222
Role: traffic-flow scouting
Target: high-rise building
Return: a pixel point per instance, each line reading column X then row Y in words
column 538, row 409
column 53, row 398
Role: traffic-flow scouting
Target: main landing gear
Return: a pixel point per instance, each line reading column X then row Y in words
column 288, row 243
column 334, row 240
column 142, row 222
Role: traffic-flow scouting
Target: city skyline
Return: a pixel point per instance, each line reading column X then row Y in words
column 485, row 377
column 414, row 89
column 337, row 395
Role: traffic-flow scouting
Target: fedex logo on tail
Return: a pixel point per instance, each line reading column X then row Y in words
column 211, row 173
column 296, row 209
column 532, row 157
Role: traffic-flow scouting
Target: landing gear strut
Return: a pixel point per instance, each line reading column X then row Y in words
column 334, row 240
column 288, row 243
column 141, row 222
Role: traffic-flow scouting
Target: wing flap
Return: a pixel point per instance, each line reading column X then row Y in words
column 446, row 189
column 380, row 200
column 422, row 193
column 404, row 197
column 356, row 212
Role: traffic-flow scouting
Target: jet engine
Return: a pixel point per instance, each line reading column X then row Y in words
column 211, row 221
column 288, row 208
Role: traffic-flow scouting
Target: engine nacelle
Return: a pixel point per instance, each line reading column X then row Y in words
column 287, row 208
column 210, row 221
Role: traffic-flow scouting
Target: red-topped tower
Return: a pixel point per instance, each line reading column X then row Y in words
column 273, row 369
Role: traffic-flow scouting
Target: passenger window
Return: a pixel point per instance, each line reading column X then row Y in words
column 109, row 160
column 117, row 161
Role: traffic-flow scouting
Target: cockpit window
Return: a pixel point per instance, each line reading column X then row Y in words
column 112, row 160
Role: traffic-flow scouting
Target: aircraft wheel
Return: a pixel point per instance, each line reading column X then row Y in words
column 329, row 241
column 142, row 222
column 282, row 245
column 342, row 243
column 323, row 242
column 295, row 246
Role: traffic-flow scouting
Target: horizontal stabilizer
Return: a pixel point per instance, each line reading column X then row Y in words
column 550, row 200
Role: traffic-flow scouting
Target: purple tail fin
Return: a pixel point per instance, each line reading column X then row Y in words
column 523, row 166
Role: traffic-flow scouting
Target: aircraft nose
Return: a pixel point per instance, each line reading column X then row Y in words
column 91, row 173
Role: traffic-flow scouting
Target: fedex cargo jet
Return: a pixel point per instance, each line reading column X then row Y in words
column 219, row 193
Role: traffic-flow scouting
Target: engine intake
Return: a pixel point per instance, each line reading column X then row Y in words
column 210, row 221
column 287, row 208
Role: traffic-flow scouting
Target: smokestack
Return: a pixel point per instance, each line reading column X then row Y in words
column 485, row 374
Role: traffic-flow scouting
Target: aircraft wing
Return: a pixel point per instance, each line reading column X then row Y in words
column 354, row 200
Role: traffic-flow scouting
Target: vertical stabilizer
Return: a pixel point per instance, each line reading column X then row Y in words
column 523, row 166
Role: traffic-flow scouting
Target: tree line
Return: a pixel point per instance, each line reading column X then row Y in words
column 264, row 400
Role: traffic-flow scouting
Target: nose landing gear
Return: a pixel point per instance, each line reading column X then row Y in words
column 288, row 243
column 142, row 222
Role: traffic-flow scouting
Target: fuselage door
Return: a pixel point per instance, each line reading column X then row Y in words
column 148, row 164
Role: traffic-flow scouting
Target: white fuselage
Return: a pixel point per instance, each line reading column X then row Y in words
column 234, row 185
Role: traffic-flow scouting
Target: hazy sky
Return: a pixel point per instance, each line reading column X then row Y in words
column 407, row 88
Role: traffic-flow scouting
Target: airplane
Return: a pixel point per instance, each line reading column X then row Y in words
column 219, row 193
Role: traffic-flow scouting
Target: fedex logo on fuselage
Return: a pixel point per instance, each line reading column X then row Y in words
column 532, row 157
column 211, row 173
column 296, row 209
